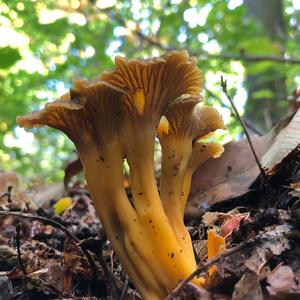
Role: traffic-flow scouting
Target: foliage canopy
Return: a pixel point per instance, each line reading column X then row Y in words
column 44, row 44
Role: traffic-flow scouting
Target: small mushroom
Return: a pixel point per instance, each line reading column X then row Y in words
column 186, row 120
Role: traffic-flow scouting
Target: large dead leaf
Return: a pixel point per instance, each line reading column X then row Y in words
column 282, row 281
column 285, row 142
column 226, row 177
column 42, row 194
column 231, row 175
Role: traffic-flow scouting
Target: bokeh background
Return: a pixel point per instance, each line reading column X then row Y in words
column 255, row 44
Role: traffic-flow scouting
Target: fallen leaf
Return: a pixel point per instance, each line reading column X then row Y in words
column 257, row 260
column 227, row 177
column 61, row 205
column 72, row 169
column 231, row 175
column 233, row 223
column 19, row 199
column 285, row 142
column 248, row 288
column 226, row 222
column 42, row 194
column 295, row 189
column 282, row 281
column 274, row 240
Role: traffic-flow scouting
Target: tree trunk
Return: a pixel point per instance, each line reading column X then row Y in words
column 267, row 94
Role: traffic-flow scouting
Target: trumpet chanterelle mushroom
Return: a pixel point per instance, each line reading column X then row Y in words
column 118, row 115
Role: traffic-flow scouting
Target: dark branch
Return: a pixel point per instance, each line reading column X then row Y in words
column 7, row 194
column 249, row 125
column 22, row 267
column 202, row 267
column 262, row 171
column 109, row 276
column 125, row 288
column 154, row 41
column 256, row 58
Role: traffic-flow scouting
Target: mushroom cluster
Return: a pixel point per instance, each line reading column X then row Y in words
column 118, row 115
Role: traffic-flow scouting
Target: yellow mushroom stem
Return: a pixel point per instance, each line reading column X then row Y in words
column 201, row 153
column 170, row 262
column 175, row 157
column 103, row 172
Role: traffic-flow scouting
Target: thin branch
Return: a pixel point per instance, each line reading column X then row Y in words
column 62, row 228
column 154, row 41
column 262, row 171
column 109, row 276
column 7, row 194
column 257, row 58
column 247, row 122
column 18, row 228
column 94, row 244
column 204, row 266
column 125, row 288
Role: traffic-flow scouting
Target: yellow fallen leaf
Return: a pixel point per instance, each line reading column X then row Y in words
column 61, row 205
column 215, row 245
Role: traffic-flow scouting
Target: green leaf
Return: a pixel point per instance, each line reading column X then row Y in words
column 263, row 94
column 8, row 57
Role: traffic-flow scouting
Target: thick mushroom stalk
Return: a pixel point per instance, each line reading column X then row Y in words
column 116, row 116
column 185, row 120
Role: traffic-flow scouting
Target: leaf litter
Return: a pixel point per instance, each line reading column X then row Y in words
column 56, row 267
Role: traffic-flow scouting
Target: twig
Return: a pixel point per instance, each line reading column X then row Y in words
column 62, row 228
column 154, row 41
column 257, row 58
column 247, row 122
column 18, row 228
column 204, row 266
column 95, row 245
column 262, row 171
column 7, row 194
column 109, row 276
column 125, row 288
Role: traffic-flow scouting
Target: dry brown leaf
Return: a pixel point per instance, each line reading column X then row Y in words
column 42, row 194
column 231, row 175
column 73, row 168
column 257, row 260
column 295, row 189
column 282, row 281
column 285, row 142
column 248, row 288
column 274, row 240
column 226, row 222
column 226, row 177
column 19, row 199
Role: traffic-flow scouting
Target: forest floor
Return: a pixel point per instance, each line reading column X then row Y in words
column 52, row 252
